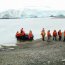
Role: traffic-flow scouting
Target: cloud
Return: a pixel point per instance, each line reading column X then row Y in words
column 33, row 4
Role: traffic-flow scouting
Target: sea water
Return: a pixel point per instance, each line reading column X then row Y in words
column 9, row 27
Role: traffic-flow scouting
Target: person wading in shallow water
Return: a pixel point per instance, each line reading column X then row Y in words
column 43, row 34
column 48, row 35
column 60, row 35
column 55, row 35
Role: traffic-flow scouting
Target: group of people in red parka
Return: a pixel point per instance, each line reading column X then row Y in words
column 23, row 36
column 56, row 35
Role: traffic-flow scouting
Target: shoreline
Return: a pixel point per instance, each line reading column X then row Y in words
column 37, row 52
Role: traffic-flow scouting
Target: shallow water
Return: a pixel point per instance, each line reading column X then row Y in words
column 8, row 27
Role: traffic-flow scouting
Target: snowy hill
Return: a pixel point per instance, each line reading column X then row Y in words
column 29, row 13
column 10, row 14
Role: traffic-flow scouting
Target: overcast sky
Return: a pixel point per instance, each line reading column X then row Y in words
column 32, row 4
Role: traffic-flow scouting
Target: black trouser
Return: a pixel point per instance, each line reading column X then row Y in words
column 64, row 38
column 18, row 37
column 60, row 38
column 49, row 39
column 43, row 38
column 54, row 38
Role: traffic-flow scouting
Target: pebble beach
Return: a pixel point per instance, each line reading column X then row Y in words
column 35, row 52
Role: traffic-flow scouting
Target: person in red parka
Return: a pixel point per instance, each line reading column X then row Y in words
column 22, row 32
column 64, row 35
column 18, row 35
column 23, row 35
column 48, row 35
column 43, row 34
column 60, row 35
column 30, row 35
column 55, row 35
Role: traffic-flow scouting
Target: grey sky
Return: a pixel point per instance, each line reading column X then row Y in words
column 32, row 4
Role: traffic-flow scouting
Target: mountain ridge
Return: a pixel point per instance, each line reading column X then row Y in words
column 29, row 13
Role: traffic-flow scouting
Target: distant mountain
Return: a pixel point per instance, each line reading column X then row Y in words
column 29, row 13
column 10, row 14
column 58, row 16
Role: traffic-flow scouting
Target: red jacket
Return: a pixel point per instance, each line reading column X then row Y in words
column 17, row 34
column 43, row 33
column 23, row 33
column 54, row 33
column 30, row 35
column 48, row 34
column 60, row 33
column 64, row 33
